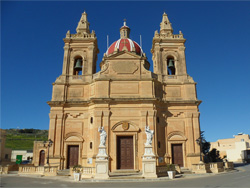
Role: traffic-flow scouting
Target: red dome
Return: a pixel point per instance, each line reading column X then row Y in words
column 131, row 46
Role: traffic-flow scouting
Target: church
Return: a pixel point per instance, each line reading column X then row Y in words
column 122, row 98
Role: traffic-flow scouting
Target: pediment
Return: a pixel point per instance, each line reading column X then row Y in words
column 73, row 136
column 125, row 126
column 176, row 136
column 125, row 55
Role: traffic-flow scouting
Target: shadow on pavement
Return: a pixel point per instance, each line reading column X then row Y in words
column 241, row 164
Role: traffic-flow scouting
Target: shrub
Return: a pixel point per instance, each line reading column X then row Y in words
column 170, row 167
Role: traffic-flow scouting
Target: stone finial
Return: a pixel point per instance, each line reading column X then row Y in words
column 68, row 34
column 83, row 24
column 165, row 25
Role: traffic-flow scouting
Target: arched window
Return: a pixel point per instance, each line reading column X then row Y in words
column 171, row 66
column 78, row 66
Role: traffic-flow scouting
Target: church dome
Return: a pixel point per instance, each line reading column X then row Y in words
column 124, row 43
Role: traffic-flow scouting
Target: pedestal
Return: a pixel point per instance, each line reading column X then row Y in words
column 102, row 164
column 149, row 163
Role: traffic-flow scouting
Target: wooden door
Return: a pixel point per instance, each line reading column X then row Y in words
column 41, row 158
column 73, row 152
column 125, row 152
column 177, row 154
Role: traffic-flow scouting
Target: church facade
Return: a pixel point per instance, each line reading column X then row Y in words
column 122, row 98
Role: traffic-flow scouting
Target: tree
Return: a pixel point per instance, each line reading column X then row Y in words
column 205, row 146
column 214, row 156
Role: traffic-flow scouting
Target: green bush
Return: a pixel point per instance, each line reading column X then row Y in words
column 170, row 167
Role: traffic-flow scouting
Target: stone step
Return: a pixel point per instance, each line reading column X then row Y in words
column 13, row 172
column 125, row 174
column 186, row 171
column 63, row 172
column 126, row 177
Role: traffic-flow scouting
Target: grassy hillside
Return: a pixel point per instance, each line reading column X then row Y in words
column 23, row 139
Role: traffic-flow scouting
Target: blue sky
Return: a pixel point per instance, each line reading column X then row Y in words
column 217, row 54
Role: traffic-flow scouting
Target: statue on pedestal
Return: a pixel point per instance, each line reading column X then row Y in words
column 103, row 136
column 149, row 134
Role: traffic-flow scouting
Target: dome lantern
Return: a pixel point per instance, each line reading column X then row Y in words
column 124, row 31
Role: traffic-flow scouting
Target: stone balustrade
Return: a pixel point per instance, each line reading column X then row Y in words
column 47, row 170
column 4, row 169
column 86, row 172
column 50, row 170
column 31, row 170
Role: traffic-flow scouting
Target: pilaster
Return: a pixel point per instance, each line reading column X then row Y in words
column 196, row 126
column 97, row 123
column 190, row 134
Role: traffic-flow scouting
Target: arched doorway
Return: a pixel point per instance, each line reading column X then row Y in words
column 41, row 158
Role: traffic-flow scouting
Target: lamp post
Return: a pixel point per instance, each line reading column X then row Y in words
column 48, row 146
column 199, row 141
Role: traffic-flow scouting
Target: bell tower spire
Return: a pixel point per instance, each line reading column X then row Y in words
column 166, row 26
column 83, row 24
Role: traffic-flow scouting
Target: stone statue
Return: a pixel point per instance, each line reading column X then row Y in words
column 149, row 134
column 103, row 136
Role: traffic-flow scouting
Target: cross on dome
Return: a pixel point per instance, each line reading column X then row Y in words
column 124, row 43
column 124, row 23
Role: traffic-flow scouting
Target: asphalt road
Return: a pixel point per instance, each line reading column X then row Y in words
column 240, row 178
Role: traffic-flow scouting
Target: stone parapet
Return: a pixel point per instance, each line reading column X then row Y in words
column 216, row 167
column 229, row 165
column 200, row 168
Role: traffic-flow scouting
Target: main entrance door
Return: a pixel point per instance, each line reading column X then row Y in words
column 125, row 152
column 177, row 154
column 42, row 158
column 73, row 152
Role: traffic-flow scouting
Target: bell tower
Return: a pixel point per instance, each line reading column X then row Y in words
column 179, row 96
column 79, row 63
column 80, row 53
column 169, row 52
